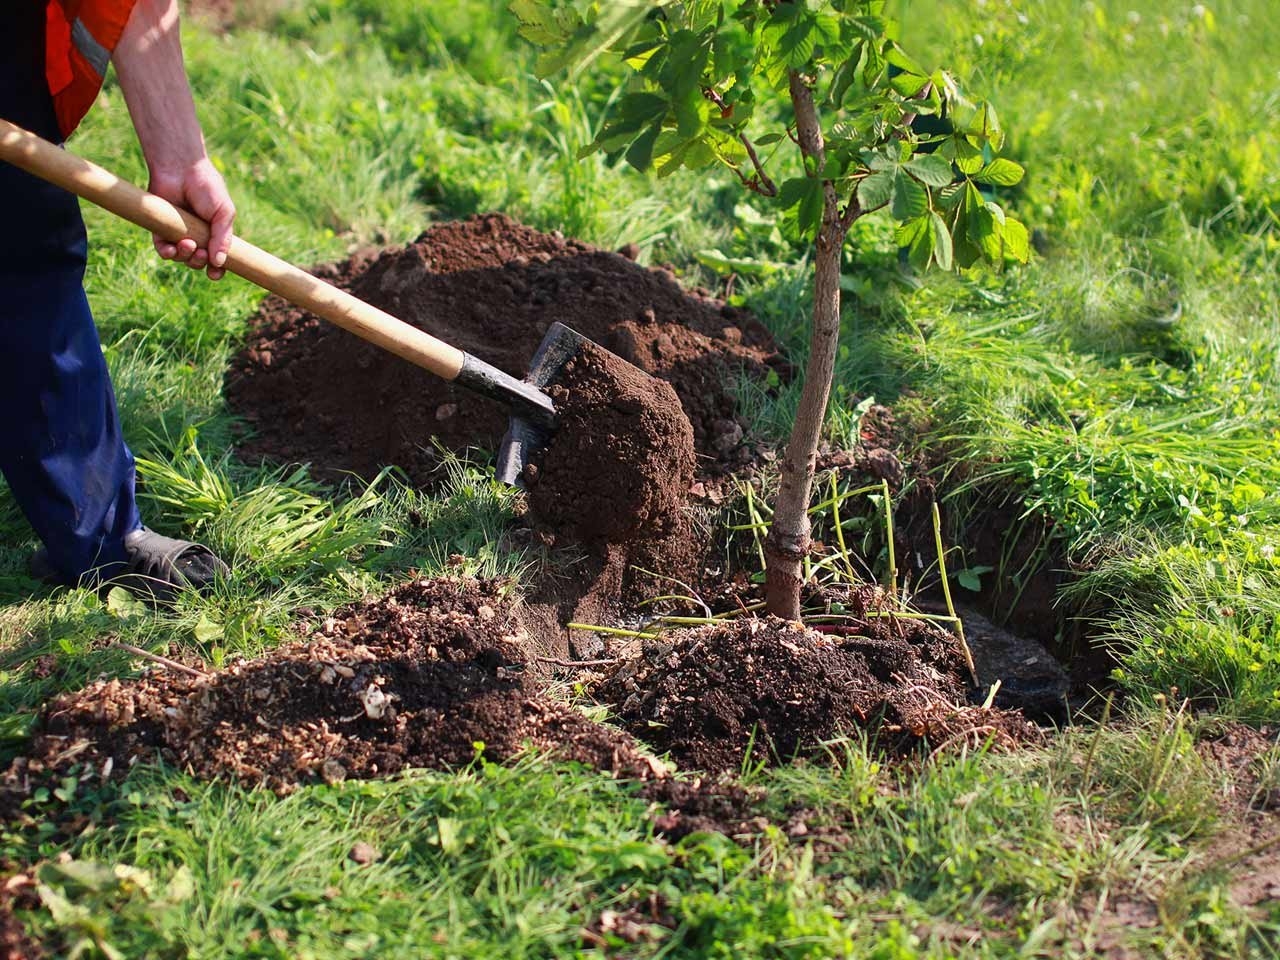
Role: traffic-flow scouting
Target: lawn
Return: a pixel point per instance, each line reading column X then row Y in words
column 1102, row 420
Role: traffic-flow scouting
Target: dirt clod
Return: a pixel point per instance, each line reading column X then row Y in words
column 620, row 466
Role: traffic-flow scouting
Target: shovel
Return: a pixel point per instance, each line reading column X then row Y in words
column 533, row 415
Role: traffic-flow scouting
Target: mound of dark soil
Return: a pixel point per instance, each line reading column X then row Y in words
column 777, row 690
column 314, row 393
column 620, row 466
column 424, row 677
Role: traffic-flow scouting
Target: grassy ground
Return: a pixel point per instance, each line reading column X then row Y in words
column 1122, row 386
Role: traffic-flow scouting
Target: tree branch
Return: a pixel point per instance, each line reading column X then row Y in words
column 765, row 184
column 761, row 183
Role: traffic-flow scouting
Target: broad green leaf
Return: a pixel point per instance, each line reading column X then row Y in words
column 640, row 153
column 876, row 190
column 1017, row 245
column 809, row 213
column 899, row 58
column 941, row 242
column 634, row 113
column 986, row 126
column 450, row 832
column 692, row 110
column 931, row 169
column 746, row 266
column 1001, row 172
column 208, row 630
column 909, row 198
column 916, row 235
column 124, row 604
column 869, row 29
column 542, row 24
column 968, row 159
column 768, row 139
column 181, row 886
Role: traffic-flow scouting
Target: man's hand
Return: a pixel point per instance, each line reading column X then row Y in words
column 153, row 79
column 200, row 189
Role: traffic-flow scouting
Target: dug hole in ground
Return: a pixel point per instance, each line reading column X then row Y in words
column 438, row 671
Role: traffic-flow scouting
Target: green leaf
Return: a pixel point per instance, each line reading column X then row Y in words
column 1017, row 244
column 986, row 126
column 868, row 28
column 876, row 190
column 968, row 159
column 898, row 57
column 450, row 832
column 802, row 198
column 931, row 169
column 1001, row 172
column 181, row 886
column 916, row 235
column 640, row 154
column 941, row 242
column 717, row 260
column 971, row 579
column 208, row 630
column 909, row 198
column 767, row 139
column 124, row 604
column 540, row 23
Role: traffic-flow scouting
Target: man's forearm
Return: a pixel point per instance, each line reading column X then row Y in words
column 149, row 65
column 148, row 62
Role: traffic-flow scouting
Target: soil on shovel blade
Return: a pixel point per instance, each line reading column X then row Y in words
column 619, row 468
column 314, row 393
column 769, row 690
column 417, row 678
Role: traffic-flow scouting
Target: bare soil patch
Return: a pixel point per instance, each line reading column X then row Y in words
column 770, row 690
column 313, row 393
column 435, row 673
column 428, row 676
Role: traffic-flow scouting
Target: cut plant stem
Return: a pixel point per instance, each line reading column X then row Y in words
column 946, row 593
column 835, row 516
column 609, row 631
column 757, row 523
column 888, row 524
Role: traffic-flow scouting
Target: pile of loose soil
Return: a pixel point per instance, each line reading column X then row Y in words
column 314, row 393
column 417, row 678
column 774, row 689
column 619, row 468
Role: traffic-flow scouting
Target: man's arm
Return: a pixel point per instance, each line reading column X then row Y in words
column 149, row 65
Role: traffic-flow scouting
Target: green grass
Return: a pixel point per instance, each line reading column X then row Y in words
column 1119, row 392
column 981, row 856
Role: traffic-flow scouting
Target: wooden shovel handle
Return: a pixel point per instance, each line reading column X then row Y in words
column 77, row 175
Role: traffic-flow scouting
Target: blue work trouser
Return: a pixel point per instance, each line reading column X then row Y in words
column 61, row 450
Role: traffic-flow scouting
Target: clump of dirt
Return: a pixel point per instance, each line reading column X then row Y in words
column 774, row 689
column 314, row 393
column 619, row 468
column 424, row 677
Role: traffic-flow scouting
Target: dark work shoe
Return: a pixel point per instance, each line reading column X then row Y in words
column 160, row 567
column 157, row 567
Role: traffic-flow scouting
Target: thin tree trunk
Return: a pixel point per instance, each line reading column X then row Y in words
column 788, row 540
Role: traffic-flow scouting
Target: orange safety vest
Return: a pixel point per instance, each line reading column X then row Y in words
column 79, row 38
